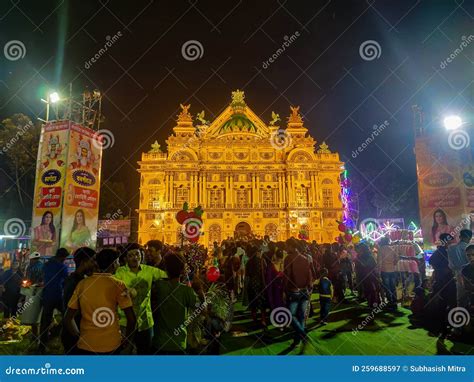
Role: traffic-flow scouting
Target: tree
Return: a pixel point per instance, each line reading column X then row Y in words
column 19, row 139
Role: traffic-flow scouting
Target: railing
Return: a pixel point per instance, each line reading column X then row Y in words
column 270, row 205
column 243, row 205
column 153, row 156
column 216, row 205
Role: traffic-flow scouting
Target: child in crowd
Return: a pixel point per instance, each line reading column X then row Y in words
column 421, row 298
column 326, row 293
column 174, row 302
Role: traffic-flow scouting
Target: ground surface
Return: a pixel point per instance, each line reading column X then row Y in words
column 389, row 333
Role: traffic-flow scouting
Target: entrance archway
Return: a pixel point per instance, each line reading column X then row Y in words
column 242, row 229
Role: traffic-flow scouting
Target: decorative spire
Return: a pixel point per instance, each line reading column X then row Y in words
column 295, row 116
column 155, row 148
column 324, row 148
column 238, row 97
column 238, row 103
column 185, row 115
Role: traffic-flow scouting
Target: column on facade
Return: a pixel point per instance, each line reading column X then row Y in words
column 280, row 195
column 172, row 190
column 226, row 193
column 314, row 194
column 204, row 190
column 254, row 191
column 191, row 190
column 231, row 192
column 290, row 190
column 196, row 188
column 165, row 196
column 257, row 185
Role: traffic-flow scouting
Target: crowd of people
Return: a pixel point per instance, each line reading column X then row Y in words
column 148, row 300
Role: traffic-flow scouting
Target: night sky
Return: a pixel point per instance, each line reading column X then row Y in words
column 144, row 75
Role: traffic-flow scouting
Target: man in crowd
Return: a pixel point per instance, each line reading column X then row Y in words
column 10, row 285
column 55, row 272
column 171, row 308
column 84, row 259
column 154, row 250
column 387, row 260
column 298, row 286
column 457, row 259
column 138, row 279
column 444, row 287
column 97, row 298
column 35, row 271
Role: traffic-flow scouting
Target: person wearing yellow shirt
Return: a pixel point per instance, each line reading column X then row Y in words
column 139, row 279
column 97, row 298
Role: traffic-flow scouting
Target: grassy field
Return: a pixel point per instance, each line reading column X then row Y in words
column 390, row 333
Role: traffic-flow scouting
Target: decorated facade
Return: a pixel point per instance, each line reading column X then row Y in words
column 250, row 177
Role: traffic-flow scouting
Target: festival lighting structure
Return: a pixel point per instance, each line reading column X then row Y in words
column 85, row 110
column 350, row 214
column 452, row 122
column 370, row 230
column 54, row 97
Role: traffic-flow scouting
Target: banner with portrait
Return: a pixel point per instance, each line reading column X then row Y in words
column 444, row 185
column 49, row 185
column 81, row 190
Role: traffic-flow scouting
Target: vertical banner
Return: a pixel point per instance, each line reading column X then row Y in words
column 444, row 184
column 81, row 190
column 49, row 185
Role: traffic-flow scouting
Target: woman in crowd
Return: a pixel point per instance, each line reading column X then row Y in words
column 256, row 294
column 367, row 268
